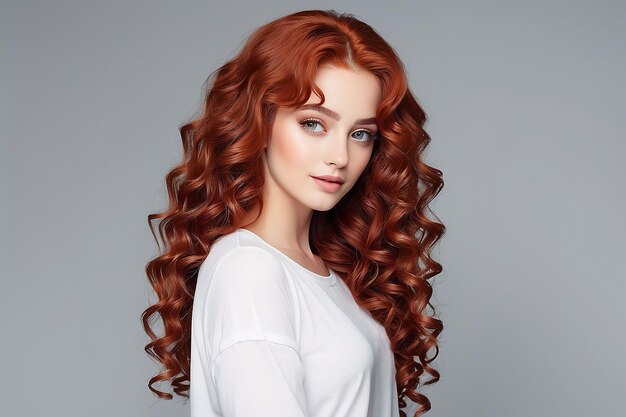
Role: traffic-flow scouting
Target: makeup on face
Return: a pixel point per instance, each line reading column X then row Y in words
column 318, row 151
column 369, row 121
column 327, row 185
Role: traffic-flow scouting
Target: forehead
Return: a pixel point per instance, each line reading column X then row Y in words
column 353, row 94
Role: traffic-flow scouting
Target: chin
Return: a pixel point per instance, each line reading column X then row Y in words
column 324, row 206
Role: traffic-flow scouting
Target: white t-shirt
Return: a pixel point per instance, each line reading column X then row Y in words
column 272, row 338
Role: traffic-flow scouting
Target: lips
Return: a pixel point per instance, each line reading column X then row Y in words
column 330, row 178
column 325, row 185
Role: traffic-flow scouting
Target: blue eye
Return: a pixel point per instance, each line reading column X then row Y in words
column 371, row 135
column 308, row 122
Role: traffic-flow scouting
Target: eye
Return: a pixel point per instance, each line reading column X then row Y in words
column 372, row 136
column 309, row 125
column 308, row 122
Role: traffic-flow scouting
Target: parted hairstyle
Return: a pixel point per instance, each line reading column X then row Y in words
column 377, row 238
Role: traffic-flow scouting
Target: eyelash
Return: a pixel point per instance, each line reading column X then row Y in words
column 302, row 123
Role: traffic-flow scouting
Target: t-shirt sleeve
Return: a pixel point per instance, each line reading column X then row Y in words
column 260, row 378
column 255, row 362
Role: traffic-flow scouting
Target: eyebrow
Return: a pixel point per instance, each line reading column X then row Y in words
column 333, row 115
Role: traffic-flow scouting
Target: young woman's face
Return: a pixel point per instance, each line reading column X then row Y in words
column 310, row 142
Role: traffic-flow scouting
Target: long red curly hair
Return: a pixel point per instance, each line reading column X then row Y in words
column 377, row 238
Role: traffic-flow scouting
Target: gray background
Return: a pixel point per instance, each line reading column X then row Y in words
column 526, row 101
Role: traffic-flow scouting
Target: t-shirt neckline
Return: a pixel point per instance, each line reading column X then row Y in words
column 322, row 279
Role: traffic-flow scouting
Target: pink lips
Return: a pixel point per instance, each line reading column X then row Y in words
column 330, row 178
column 327, row 185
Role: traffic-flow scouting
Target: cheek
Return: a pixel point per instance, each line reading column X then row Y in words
column 360, row 160
column 291, row 147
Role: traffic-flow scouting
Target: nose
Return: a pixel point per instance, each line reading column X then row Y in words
column 337, row 150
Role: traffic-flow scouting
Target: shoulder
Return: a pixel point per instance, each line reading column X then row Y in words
column 250, row 269
column 251, row 259
column 235, row 252
column 236, row 262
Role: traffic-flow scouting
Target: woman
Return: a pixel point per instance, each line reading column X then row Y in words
column 293, row 281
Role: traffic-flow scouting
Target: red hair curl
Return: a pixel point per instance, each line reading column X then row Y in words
column 377, row 238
